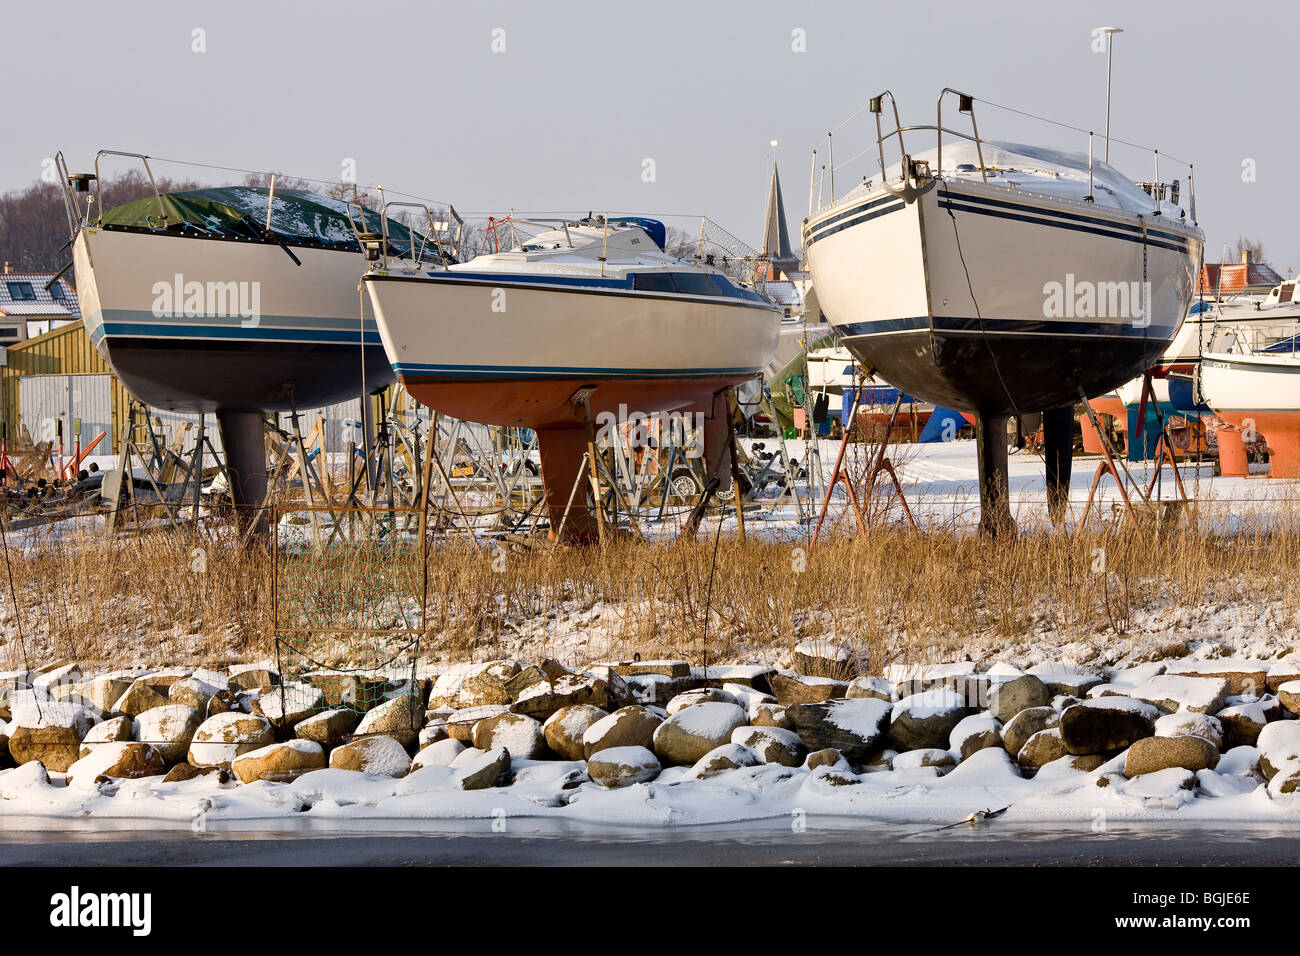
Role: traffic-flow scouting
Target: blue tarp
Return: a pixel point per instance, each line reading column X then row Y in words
column 938, row 429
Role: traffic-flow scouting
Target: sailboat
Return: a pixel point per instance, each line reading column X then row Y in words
column 577, row 323
column 1000, row 279
column 234, row 300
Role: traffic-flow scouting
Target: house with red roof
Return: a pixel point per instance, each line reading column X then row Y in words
column 1234, row 278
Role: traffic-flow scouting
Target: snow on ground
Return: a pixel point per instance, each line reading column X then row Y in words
column 987, row 780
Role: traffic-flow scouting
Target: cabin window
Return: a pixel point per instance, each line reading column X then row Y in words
column 8, row 332
column 653, row 282
column 696, row 283
column 1285, row 292
column 21, row 291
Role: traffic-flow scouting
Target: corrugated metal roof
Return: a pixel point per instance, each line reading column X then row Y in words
column 44, row 302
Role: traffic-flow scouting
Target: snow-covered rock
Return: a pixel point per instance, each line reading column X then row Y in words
column 170, row 728
column 51, row 733
column 1041, row 749
column 975, row 732
column 1171, row 692
column 329, row 728
column 1187, row 722
column 728, row 756
column 517, row 733
column 377, row 755
column 564, row 729
column 1242, row 723
column 926, row 720
column 771, row 744
column 440, row 754
column 1103, row 724
column 289, row 704
column 1242, row 676
column 631, row 726
column 545, row 698
column 854, row 727
column 1166, row 789
column 280, row 762
column 791, row 688
column 138, row 698
column 701, row 695
column 1017, row 731
column 770, row 715
column 486, row 771
column 691, row 733
column 1008, row 698
column 820, row 657
column 222, row 738
column 1279, row 747
column 400, row 718
column 623, row 766
column 942, row 760
column 876, row 687
column 193, row 692
column 113, row 730
column 1153, row 754
column 120, row 760
column 1289, row 695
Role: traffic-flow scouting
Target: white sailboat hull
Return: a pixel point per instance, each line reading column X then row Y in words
column 980, row 298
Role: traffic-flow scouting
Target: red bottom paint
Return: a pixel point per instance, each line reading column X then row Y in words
column 547, row 407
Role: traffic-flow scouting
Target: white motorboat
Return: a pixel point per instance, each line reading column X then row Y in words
column 1250, row 376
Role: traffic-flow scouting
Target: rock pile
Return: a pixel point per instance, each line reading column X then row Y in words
column 625, row 721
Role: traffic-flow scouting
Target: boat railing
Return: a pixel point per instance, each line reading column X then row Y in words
column 434, row 228
column 99, row 187
column 376, row 246
column 1278, row 337
column 916, row 175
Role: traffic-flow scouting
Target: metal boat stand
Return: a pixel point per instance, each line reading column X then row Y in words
column 879, row 463
column 1108, row 465
column 164, row 468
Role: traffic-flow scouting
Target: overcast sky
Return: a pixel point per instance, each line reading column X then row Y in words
column 565, row 117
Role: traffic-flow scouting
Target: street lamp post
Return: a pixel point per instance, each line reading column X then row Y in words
column 1110, row 47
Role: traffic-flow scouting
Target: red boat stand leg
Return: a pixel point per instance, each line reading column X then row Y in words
column 561, row 451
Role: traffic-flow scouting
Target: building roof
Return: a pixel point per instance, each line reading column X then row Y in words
column 43, row 304
column 1233, row 277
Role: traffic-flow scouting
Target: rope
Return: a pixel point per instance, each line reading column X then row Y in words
column 978, row 315
column 18, row 616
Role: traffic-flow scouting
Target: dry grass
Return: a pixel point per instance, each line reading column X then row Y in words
column 897, row 597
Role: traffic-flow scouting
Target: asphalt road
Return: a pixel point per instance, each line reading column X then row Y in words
column 773, row 844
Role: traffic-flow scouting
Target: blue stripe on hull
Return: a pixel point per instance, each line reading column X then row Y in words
column 1003, row 209
column 101, row 328
column 546, row 371
column 977, row 326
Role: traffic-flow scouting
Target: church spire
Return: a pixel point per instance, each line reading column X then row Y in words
column 776, row 238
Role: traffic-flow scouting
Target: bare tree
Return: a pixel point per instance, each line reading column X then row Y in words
column 1244, row 245
column 680, row 243
column 34, row 229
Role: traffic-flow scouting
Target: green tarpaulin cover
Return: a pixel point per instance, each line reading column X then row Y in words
column 298, row 217
column 787, row 385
